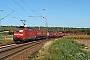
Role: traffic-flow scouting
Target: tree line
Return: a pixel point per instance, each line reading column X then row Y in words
column 53, row 29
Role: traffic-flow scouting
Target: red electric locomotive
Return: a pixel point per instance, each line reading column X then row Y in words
column 22, row 34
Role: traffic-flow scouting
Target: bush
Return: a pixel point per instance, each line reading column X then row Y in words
column 10, row 33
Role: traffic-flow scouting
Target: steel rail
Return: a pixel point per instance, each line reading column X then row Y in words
column 7, row 53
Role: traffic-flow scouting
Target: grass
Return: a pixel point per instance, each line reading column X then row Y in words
column 7, row 40
column 66, row 49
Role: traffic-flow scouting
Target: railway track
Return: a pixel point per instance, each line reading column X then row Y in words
column 2, row 48
column 9, row 50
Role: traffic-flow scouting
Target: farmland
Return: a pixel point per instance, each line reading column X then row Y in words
column 6, row 39
column 67, row 48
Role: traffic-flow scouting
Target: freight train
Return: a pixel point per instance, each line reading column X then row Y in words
column 23, row 34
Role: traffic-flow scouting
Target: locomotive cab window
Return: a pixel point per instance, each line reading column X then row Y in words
column 18, row 30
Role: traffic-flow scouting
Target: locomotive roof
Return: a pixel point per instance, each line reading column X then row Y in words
column 24, row 27
column 21, row 27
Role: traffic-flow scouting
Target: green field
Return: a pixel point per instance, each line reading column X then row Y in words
column 65, row 49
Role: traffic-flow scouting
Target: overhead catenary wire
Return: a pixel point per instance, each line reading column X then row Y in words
column 32, row 10
column 21, row 7
column 11, row 15
column 17, row 13
column 25, row 10
column 38, row 14
column 7, row 15
column 12, row 9
column 14, row 17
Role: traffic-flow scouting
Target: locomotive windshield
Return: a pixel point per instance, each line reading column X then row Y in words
column 18, row 30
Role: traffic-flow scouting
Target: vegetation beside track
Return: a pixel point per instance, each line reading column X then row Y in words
column 4, row 40
column 64, row 49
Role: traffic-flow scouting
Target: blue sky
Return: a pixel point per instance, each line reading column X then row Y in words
column 63, row 13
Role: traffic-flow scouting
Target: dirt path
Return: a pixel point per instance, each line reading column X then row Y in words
column 85, row 42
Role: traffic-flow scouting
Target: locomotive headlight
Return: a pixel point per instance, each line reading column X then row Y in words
column 21, row 34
